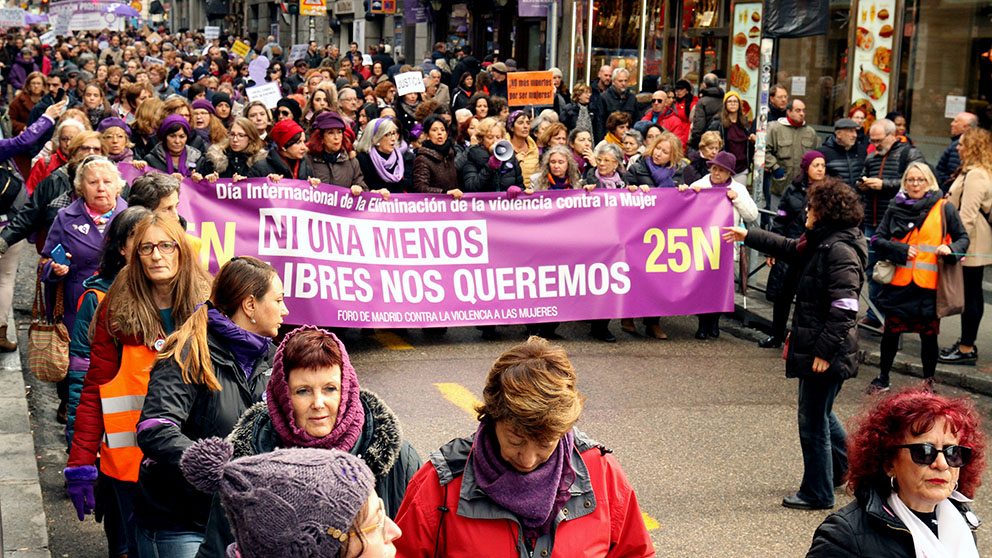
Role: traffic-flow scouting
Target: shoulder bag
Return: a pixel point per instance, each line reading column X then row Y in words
column 950, row 280
column 48, row 342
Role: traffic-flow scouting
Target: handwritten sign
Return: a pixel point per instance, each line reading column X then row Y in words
column 268, row 93
column 211, row 32
column 530, row 88
column 296, row 53
column 151, row 61
column 241, row 49
column 410, row 82
column 11, row 17
column 48, row 38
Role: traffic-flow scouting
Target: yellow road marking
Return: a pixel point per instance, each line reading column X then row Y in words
column 650, row 522
column 391, row 341
column 463, row 398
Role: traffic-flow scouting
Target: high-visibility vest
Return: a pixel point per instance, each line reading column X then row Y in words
column 922, row 269
column 121, row 400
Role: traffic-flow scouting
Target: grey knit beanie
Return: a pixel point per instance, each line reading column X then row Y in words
column 290, row 503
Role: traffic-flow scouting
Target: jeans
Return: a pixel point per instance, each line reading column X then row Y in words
column 821, row 437
column 162, row 543
column 873, row 288
column 126, row 492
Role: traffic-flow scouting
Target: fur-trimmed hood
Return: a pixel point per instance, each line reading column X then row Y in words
column 378, row 445
column 218, row 156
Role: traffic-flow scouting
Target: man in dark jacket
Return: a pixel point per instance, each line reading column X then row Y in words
column 602, row 82
column 467, row 63
column 843, row 158
column 707, row 108
column 778, row 102
column 617, row 99
column 880, row 182
column 498, row 88
column 950, row 160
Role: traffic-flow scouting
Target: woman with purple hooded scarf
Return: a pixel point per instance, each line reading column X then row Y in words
column 313, row 400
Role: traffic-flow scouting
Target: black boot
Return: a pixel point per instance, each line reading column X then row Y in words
column 773, row 342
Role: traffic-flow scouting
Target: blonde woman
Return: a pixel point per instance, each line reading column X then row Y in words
column 971, row 195
column 660, row 167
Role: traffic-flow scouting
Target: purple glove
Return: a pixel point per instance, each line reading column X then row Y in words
column 512, row 192
column 494, row 163
column 81, row 483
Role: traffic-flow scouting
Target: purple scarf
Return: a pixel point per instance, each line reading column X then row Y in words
column 662, row 176
column 183, row 170
column 389, row 169
column 613, row 181
column 351, row 414
column 535, row 497
column 579, row 161
column 125, row 156
column 246, row 346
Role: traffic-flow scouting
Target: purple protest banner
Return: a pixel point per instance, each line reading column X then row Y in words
column 431, row 260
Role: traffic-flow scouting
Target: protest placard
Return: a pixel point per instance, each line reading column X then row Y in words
column 12, row 17
column 241, row 49
column 530, row 88
column 268, row 93
column 409, row 82
column 211, row 32
column 434, row 261
column 296, row 53
column 151, row 61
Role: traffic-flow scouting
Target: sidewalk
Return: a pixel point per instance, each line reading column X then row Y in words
column 978, row 378
column 24, row 530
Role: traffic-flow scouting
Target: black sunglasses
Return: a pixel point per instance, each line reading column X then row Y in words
column 926, row 454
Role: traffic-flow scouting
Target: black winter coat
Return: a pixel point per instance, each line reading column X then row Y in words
column 708, row 107
column 913, row 301
column 274, row 164
column 474, row 173
column 833, row 268
column 375, row 182
column 434, row 169
column 890, row 168
column 35, row 216
column 166, row 499
column 845, row 164
column 696, row 168
column 468, row 63
column 610, row 101
column 392, row 460
column 790, row 222
column 639, row 174
column 865, row 528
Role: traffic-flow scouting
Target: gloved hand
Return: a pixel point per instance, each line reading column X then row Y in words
column 494, row 163
column 512, row 192
column 778, row 173
column 81, row 483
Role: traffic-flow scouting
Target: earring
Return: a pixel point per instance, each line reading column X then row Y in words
column 892, row 483
column 252, row 320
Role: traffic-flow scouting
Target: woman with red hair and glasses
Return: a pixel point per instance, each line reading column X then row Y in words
column 916, row 459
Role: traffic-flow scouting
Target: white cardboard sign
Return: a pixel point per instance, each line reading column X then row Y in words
column 268, row 93
column 410, row 82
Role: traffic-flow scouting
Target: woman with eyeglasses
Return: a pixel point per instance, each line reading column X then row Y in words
column 916, row 459
column 211, row 370
column 313, row 400
column 383, row 164
column 527, row 482
column 918, row 228
column 146, row 302
column 173, row 155
column 234, row 156
column 288, row 159
column 116, row 133
column 823, row 343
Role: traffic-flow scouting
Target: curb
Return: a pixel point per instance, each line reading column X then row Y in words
column 971, row 378
column 23, row 527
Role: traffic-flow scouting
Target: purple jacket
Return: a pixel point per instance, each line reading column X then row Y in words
column 20, row 72
column 21, row 142
column 75, row 231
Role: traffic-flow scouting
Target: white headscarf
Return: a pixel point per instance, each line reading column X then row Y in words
column 955, row 541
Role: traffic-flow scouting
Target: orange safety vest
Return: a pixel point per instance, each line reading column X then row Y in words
column 922, row 270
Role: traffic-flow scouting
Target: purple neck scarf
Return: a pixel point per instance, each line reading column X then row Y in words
column 390, row 169
column 183, row 170
column 535, row 497
column 351, row 414
column 612, row 181
column 662, row 176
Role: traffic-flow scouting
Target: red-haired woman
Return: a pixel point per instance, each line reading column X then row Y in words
column 916, row 459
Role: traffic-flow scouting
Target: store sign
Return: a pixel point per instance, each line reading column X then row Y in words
column 384, row 7
column 313, row 7
column 344, row 7
column 745, row 55
column 530, row 88
column 873, row 39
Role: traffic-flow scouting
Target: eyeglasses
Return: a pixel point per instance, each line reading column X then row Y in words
column 658, row 100
column 925, row 454
column 165, row 248
column 342, row 536
column 916, row 181
column 239, row 136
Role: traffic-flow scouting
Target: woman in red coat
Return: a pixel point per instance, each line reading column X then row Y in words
column 527, row 483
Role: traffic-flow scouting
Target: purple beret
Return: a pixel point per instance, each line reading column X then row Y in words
column 328, row 120
column 205, row 105
column 113, row 123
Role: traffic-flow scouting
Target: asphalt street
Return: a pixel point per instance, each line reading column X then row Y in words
column 706, row 430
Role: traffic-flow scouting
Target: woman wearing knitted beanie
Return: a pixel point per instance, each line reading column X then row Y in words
column 313, row 400
column 294, row 503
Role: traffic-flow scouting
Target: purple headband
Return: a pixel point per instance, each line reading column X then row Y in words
column 378, row 121
column 512, row 119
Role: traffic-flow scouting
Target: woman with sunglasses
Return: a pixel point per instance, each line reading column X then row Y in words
column 141, row 308
column 313, row 400
column 916, row 459
column 823, row 343
column 527, row 478
column 211, row 370
column 918, row 228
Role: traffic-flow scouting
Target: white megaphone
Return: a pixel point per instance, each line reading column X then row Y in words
column 503, row 150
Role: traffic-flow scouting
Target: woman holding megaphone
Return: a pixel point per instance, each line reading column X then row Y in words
column 490, row 165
